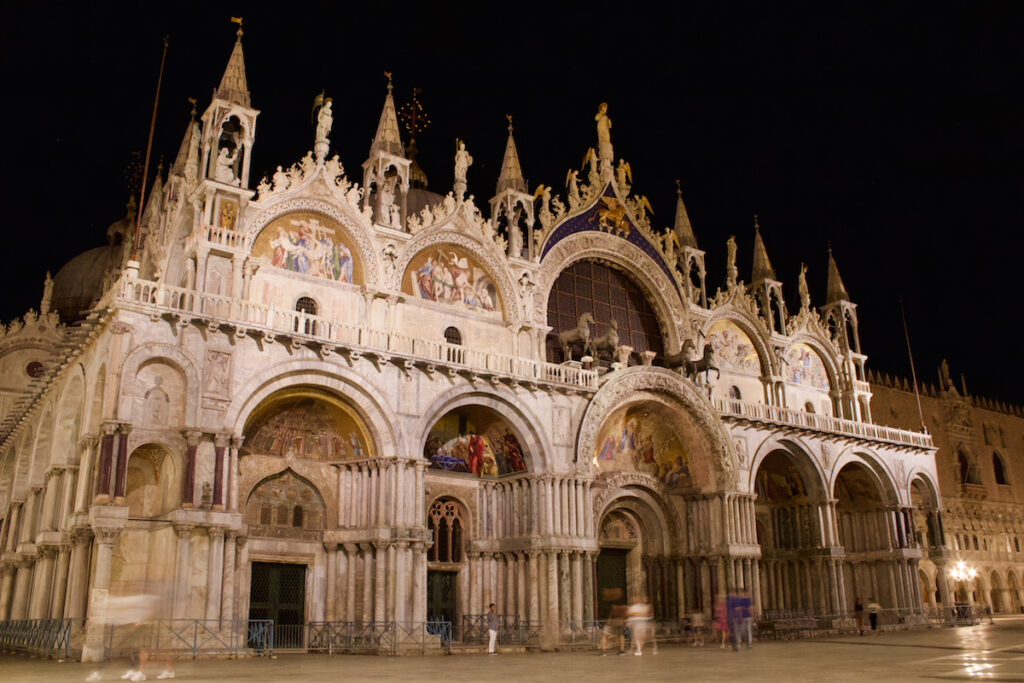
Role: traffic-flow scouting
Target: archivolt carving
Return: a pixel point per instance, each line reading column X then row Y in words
column 624, row 384
column 353, row 230
column 495, row 268
column 663, row 293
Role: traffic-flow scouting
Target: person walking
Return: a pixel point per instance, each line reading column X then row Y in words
column 697, row 628
column 858, row 614
column 873, row 608
column 492, row 629
column 721, row 622
column 613, row 628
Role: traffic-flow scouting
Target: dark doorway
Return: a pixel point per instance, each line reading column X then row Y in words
column 611, row 580
column 441, row 596
column 278, row 592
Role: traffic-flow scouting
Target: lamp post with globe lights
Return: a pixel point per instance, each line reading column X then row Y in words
column 962, row 572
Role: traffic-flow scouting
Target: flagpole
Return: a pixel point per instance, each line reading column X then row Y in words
column 913, row 373
column 149, row 148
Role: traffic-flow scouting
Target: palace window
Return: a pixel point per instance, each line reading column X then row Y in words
column 809, row 407
column 734, row 392
column 297, row 516
column 1000, row 470
column 308, row 307
column 453, row 336
column 445, row 523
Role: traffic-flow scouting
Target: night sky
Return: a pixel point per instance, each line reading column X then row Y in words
column 894, row 134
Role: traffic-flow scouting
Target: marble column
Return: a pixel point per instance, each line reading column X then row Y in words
column 96, row 614
column 87, row 447
column 380, row 582
column 366, row 552
column 551, row 562
column 182, row 571
column 575, row 558
column 188, row 481
column 215, row 577
column 22, row 587
column 351, row 550
column 522, row 600
column 236, row 443
column 227, row 595
column 589, row 559
column 120, row 480
column 220, row 444
column 42, row 582
column 78, row 575
column 7, row 572
column 534, row 587
column 104, row 481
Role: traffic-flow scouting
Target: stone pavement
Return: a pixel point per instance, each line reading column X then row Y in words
column 994, row 652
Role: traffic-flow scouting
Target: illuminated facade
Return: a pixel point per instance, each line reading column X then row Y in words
column 402, row 409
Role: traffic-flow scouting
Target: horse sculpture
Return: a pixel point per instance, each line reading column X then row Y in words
column 606, row 342
column 578, row 335
column 691, row 368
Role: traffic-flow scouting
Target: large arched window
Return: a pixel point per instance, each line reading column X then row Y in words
column 967, row 469
column 445, row 524
column 606, row 294
column 453, row 336
column 1000, row 469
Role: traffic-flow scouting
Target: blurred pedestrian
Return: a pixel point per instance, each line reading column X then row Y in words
column 697, row 629
column 873, row 608
column 639, row 623
column 858, row 614
column 721, row 622
column 613, row 628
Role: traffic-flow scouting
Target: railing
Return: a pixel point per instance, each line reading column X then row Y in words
column 391, row 638
column 249, row 315
column 216, row 235
column 190, row 637
column 511, row 630
column 41, row 637
column 761, row 412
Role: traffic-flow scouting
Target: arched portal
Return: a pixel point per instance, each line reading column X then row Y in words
column 632, row 561
column 790, row 497
column 447, row 577
column 995, row 592
column 152, row 487
column 867, row 526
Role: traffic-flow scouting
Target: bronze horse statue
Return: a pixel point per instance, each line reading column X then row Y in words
column 606, row 342
column 578, row 335
column 692, row 368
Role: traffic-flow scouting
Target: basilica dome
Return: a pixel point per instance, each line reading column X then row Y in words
column 79, row 283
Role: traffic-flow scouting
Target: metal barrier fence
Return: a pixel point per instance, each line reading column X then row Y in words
column 511, row 630
column 42, row 637
column 389, row 638
column 190, row 637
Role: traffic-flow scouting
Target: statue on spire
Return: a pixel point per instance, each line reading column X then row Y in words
column 604, row 140
column 805, row 294
column 730, row 268
column 324, row 121
column 463, row 161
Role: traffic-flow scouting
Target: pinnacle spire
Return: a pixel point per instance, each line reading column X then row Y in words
column 762, row 269
column 683, row 228
column 189, row 142
column 388, row 139
column 835, row 289
column 511, row 176
column 233, row 86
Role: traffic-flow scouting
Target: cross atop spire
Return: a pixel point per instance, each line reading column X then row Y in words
column 233, row 85
column 835, row 290
column 762, row 264
column 683, row 228
column 511, row 176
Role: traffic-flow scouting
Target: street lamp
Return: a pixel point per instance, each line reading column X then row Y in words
column 961, row 572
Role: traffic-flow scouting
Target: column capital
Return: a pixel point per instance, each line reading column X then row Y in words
column 351, row 548
column 106, row 535
column 109, row 427
column 240, row 540
column 401, row 545
column 183, row 529
column 46, row 552
column 331, row 547
column 192, row 437
column 221, row 440
column 87, row 442
column 216, row 532
column 237, row 441
column 124, row 428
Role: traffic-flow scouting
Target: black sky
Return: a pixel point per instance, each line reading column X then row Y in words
column 893, row 133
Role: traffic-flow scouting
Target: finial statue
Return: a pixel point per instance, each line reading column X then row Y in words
column 604, row 139
column 730, row 261
column 573, row 184
column 463, row 161
column 224, row 170
column 324, row 120
column 44, row 304
column 947, row 381
column 624, row 173
column 805, row 294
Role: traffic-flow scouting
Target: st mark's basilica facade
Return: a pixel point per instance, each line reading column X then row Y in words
column 347, row 389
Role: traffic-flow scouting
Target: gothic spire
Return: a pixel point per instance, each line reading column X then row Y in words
column 388, row 138
column 762, row 264
column 835, row 289
column 186, row 152
column 511, row 176
column 683, row 228
column 233, row 86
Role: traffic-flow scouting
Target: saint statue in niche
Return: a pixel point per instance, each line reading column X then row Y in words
column 157, row 403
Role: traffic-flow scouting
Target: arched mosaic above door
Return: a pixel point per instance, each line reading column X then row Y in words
column 640, row 438
column 474, row 440
column 309, row 244
column 306, row 423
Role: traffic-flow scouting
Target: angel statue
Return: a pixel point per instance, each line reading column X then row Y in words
column 730, row 251
column 572, row 182
column 622, row 173
column 224, row 171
